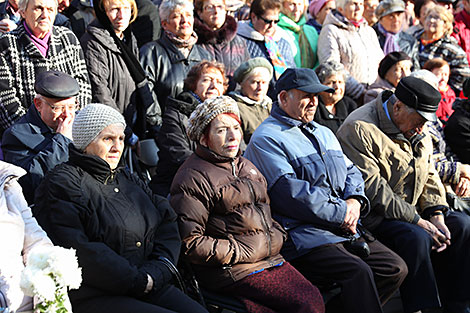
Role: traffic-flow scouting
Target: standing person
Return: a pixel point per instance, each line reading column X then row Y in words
column 369, row 11
column 347, row 39
column 318, row 10
column 462, row 27
column 420, row 9
column 225, row 220
column 126, row 238
column 34, row 47
column 386, row 140
column 317, row 195
column 217, row 33
column 40, row 139
column 301, row 36
column 168, row 60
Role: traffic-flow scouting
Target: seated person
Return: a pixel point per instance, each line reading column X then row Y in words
column 333, row 107
column 205, row 80
column 40, row 139
column 317, row 195
column 253, row 77
column 441, row 69
column 392, row 68
column 126, row 238
column 409, row 213
column 19, row 235
column 225, row 219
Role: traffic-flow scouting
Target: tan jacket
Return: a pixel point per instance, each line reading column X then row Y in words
column 400, row 179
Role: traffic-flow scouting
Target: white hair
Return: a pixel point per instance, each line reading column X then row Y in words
column 23, row 4
column 168, row 6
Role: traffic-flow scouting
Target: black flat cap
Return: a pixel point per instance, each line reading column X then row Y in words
column 304, row 79
column 419, row 95
column 54, row 84
column 390, row 60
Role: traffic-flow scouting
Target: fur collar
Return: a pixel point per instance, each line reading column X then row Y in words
column 224, row 34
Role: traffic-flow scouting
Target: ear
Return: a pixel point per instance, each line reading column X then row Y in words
column 164, row 25
column 340, row 10
column 252, row 16
column 203, row 141
column 38, row 104
column 283, row 98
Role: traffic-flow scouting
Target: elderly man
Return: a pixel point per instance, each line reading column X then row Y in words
column 317, row 195
column 34, row 47
column 409, row 213
column 39, row 140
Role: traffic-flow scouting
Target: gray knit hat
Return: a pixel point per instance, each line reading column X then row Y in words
column 246, row 67
column 91, row 120
column 206, row 112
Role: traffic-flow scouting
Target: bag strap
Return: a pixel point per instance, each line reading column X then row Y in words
column 179, row 279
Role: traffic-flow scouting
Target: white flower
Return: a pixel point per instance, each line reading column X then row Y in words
column 44, row 285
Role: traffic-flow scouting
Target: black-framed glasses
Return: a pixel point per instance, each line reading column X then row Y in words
column 267, row 21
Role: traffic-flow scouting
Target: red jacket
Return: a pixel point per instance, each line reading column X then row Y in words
column 462, row 31
column 444, row 111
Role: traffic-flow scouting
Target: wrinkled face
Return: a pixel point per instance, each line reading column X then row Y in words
column 409, row 122
column 434, row 24
column 119, row 13
column 369, row 9
column 327, row 7
column 213, row 13
column 39, row 16
column 392, row 22
column 180, row 22
column 398, row 71
column 353, row 10
column 224, row 136
column 210, row 84
column 256, row 85
column 108, row 145
column 294, row 9
column 298, row 104
column 266, row 24
column 335, row 81
column 54, row 111
column 442, row 74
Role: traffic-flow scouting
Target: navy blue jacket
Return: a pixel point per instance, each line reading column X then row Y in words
column 34, row 146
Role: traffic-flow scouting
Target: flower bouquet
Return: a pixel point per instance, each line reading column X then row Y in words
column 49, row 272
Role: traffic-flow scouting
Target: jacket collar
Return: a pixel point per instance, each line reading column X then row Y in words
column 223, row 35
column 385, row 124
column 212, row 157
column 246, row 30
column 185, row 103
column 102, row 35
column 237, row 95
column 33, row 117
column 25, row 43
column 175, row 55
column 280, row 115
column 339, row 20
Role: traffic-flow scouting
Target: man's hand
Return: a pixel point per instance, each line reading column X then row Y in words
column 65, row 124
column 462, row 189
column 7, row 25
column 438, row 230
column 352, row 215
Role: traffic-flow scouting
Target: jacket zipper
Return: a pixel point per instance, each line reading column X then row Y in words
column 265, row 223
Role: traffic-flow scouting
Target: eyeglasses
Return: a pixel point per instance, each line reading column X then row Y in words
column 436, row 17
column 61, row 108
column 266, row 21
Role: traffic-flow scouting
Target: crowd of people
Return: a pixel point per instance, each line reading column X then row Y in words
column 297, row 146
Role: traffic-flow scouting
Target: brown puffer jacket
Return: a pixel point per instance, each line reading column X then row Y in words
column 224, row 218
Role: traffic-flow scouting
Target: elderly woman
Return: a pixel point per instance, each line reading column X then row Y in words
column 225, row 220
column 204, row 81
column 420, row 9
column 168, row 60
column 347, row 39
column 318, row 10
column 333, row 108
column 36, row 46
column 126, row 238
column 301, row 36
column 217, row 33
column 19, row 235
column 389, row 30
column 253, row 77
column 112, row 58
column 265, row 39
column 435, row 42
column 392, row 68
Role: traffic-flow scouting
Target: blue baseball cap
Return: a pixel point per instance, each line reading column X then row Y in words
column 304, row 79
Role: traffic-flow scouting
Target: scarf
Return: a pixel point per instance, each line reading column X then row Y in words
column 390, row 44
column 307, row 55
column 41, row 44
column 357, row 24
column 184, row 46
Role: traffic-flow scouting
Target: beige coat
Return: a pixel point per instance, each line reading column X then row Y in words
column 400, row 178
column 358, row 49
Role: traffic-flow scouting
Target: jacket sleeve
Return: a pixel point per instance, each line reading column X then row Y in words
column 62, row 210
column 361, row 145
column 190, row 197
column 148, row 59
column 328, row 48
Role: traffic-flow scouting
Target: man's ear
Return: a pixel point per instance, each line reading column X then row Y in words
column 283, row 98
column 38, row 104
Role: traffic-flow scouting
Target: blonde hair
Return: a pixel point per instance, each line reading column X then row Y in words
column 104, row 3
column 445, row 15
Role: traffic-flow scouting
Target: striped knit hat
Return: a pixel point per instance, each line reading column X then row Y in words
column 91, row 120
column 204, row 113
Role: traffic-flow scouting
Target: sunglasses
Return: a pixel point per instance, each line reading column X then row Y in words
column 267, row 21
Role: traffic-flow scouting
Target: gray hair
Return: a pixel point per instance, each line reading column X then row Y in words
column 23, row 4
column 168, row 6
column 341, row 3
column 329, row 68
column 427, row 76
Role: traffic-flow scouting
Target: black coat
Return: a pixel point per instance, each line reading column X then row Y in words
column 167, row 67
column 173, row 141
column 457, row 130
column 118, row 227
column 334, row 121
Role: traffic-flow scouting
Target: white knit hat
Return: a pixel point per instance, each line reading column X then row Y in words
column 91, row 120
